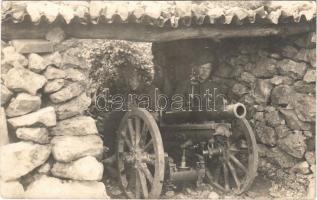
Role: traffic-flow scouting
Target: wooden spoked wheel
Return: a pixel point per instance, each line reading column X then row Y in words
column 140, row 155
column 234, row 168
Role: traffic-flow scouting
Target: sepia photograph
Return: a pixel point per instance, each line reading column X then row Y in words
column 158, row 100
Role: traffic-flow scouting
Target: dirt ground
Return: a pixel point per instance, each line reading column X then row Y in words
column 270, row 183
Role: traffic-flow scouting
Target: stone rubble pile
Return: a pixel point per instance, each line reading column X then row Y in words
column 281, row 99
column 54, row 150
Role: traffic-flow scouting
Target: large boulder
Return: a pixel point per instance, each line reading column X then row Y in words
column 54, row 85
column 45, row 116
column 282, row 131
column 292, row 120
column 54, row 59
column 6, row 95
column 248, row 99
column 264, row 68
column 262, row 150
column 308, row 134
column 5, row 68
column 259, row 116
column 281, row 80
column 12, row 58
column 82, row 125
column 292, row 69
column 305, row 107
column 265, row 134
column 294, row 144
column 11, row 190
column 49, row 187
column 239, row 60
column 87, row 168
column 4, row 136
column 75, row 75
column 310, row 76
column 23, row 80
column 54, row 73
column 71, row 58
column 310, row 157
column 289, row 51
column 247, row 77
column 36, row 63
column 67, row 93
column 18, row 159
column 282, row 95
column 301, row 168
column 74, row 107
column 303, row 87
column 69, row 148
column 308, row 56
column 240, row 89
column 302, row 55
column 224, row 71
column 262, row 91
column 279, row 157
column 273, row 118
column 38, row 135
column 45, row 168
column 24, row 103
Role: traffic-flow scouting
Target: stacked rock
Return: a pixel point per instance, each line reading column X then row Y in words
column 274, row 77
column 50, row 147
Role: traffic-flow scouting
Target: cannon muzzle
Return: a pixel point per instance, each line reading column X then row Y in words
column 229, row 112
column 238, row 110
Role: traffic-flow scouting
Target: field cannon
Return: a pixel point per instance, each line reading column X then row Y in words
column 217, row 147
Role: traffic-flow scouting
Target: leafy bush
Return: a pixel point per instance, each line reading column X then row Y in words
column 107, row 57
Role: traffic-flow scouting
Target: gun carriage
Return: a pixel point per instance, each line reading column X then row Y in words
column 217, row 147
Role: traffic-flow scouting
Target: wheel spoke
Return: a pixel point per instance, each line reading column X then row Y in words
column 217, row 173
column 212, row 182
column 144, row 130
column 148, row 146
column 132, row 180
column 124, row 182
column 137, row 186
column 240, row 151
column 126, row 140
column 131, row 131
column 226, row 176
column 137, row 130
column 234, row 174
column 121, row 167
column 147, row 173
column 143, row 184
column 238, row 163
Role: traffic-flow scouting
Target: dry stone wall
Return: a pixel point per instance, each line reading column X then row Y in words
column 274, row 77
column 49, row 149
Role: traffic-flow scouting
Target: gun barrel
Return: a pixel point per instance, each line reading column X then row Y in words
column 238, row 110
column 230, row 112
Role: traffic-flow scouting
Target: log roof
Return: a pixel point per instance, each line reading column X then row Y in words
column 171, row 14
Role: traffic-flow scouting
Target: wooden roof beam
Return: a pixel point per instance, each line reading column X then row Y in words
column 142, row 33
